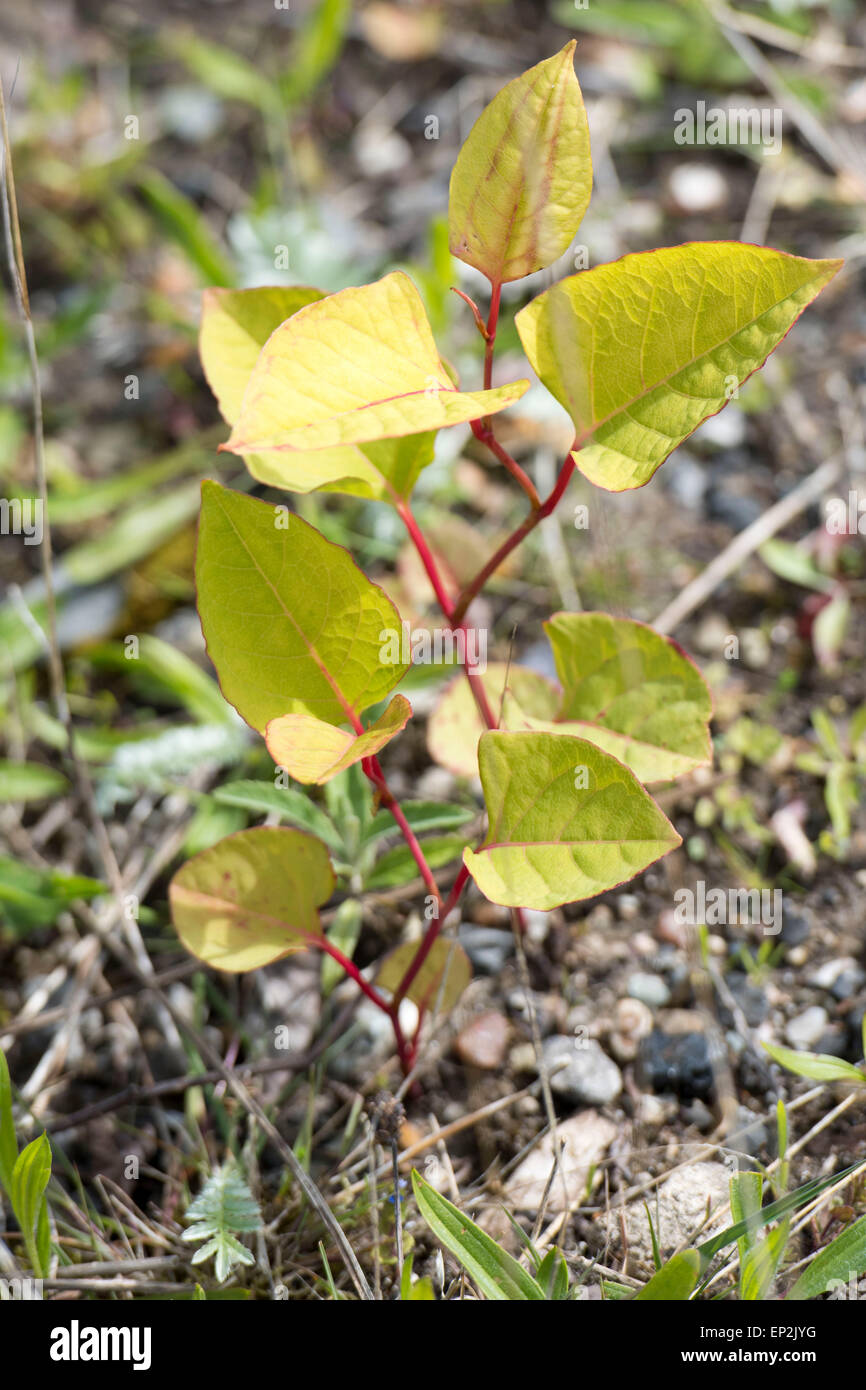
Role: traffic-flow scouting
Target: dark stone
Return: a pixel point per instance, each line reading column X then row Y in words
column 795, row 925
column 750, row 998
column 678, row 1062
column 847, row 983
column 487, row 948
column 754, row 1074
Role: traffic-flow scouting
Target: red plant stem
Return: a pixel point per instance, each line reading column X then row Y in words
column 428, row 561
column 354, row 973
column 432, row 934
column 485, row 434
column 492, row 321
column 406, row 515
column 536, row 515
column 388, row 799
column 404, row 1050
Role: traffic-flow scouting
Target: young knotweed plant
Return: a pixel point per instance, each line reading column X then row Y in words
column 345, row 393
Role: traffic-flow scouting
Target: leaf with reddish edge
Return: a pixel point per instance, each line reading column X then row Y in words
column 565, row 821
column 642, row 351
column 522, row 180
column 625, row 688
column 313, row 751
column 235, row 325
column 446, row 960
column 291, row 623
column 632, row 692
column 252, row 898
column 358, row 366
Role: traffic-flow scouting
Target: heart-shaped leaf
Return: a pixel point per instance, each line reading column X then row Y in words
column 291, row 623
column 446, row 968
column 641, row 351
column 312, row 751
column 523, row 179
column 235, row 326
column 631, row 692
column 360, row 365
column 628, row 690
column 565, row 821
column 252, row 898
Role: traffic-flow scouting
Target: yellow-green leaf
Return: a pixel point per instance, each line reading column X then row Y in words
column 565, row 821
column 641, row 351
column 675, row 1280
column 235, row 326
column 291, row 623
column 252, row 898
column 523, row 179
column 817, row 1066
column 631, row 692
column 313, row 751
column 360, row 365
column 446, row 962
column 625, row 688
column 497, row 1274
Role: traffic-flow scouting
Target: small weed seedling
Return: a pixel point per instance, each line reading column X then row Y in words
column 346, row 392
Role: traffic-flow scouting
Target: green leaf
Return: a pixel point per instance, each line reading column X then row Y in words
column 747, row 1192
column 760, row 1265
column 224, row 1205
column 315, row 50
column 792, row 563
column 263, row 798
column 566, row 821
column 641, row 351
column 523, row 179
column 224, row 72
column 446, row 967
column 830, row 629
column 30, row 782
column 817, row 1066
column 313, row 751
column 8, row 1144
column 235, row 325
column 360, row 365
column 253, row 898
column 631, row 692
column 774, row 1212
column 497, row 1274
column 398, row 865
column 843, row 1259
column 32, row 897
column 181, row 220
column 179, row 676
column 423, row 816
column 282, row 646
column 27, row 1185
column 552, row 1275
column 675, row 1280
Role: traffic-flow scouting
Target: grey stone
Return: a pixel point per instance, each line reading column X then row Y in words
column 487, row 948
column 649, row 989
column 589, row 1076
column 804, row 1031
